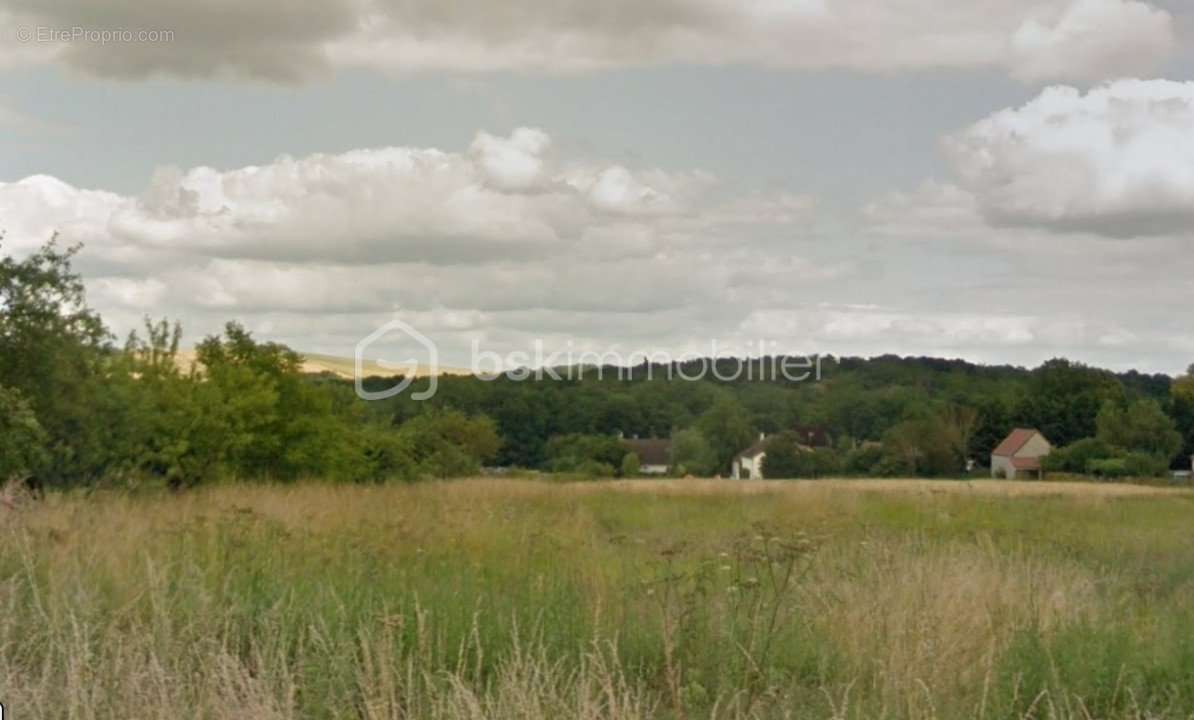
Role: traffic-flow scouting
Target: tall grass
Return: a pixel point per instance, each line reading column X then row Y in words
column 503, row 599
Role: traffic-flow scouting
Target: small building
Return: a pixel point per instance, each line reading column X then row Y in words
column 748, row 464
column 654, row 454
column 1019, row 455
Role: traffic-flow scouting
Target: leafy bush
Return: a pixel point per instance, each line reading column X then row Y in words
column 691, row 453
column 863, row 460
column 575, row 451
column 1077, row 456
column 631, row 465
column 447, row 443
column 22, row 439
column 787, row 458
column 1141, row 426
column 1128, row 465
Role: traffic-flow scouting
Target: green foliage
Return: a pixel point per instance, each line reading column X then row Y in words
column 994, row 421
column 1078, row 457
column 863, row 460
column 22, row 439
column 1128, row 465
column 271, row 420
column 1140, row 427
column 931, row 445
column 692, row 454
column 447, row 443
column 631, row 465
column 54, row 351
column 1182, row 403
column 1064, row 397
column 787, row 457
column 1101, row 458
column 578, row 452
column 727, row 429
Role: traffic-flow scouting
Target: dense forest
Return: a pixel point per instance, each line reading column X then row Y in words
column 76, row 408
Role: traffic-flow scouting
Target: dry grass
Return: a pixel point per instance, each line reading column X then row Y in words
column 1002, row 488
column 643, row 599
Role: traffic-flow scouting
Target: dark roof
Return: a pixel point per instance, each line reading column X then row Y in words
column 812, row 435
column 755, row 449
column 650, row 451
column 809, row 436
column 1013, row 442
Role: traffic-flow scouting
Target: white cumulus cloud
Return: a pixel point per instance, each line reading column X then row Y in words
column 1117, row 160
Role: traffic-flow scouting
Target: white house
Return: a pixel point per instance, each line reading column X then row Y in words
column 748, row 464
column 1020, row 454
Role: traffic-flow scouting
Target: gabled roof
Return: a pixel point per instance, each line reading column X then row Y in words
column 650, row 451
column 1013, row 442
column 757, row 449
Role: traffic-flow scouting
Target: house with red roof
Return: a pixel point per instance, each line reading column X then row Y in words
column 1019, row 455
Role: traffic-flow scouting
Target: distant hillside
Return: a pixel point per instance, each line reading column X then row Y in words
column 316, row 363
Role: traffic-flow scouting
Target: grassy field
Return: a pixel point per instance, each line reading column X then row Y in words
column 517, row 599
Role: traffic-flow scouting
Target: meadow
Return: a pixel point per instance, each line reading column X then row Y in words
column 635, row 599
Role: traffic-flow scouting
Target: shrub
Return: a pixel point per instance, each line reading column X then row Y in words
column 22, row 440
column 863, row 460
column 630, row 465
column 787, row 458
column 572, row 452
column 1110, row 468
column 1077, row 456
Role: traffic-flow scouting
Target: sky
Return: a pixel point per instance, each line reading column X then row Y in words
column 1002, row 182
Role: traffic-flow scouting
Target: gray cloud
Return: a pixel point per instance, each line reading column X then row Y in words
column 1030, row 39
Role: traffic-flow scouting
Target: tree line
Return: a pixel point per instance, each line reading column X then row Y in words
column 78, row 408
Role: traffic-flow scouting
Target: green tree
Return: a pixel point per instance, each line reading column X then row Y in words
column 924, row 445
column 274, row 421
column 1078, row 457
column 178, row 420
column 691, row 453
column 55, row 351
column 1064, row 397
column 448, row 443
column 992, row 425
column 786, row 458
column 727, row 429
column 1182, row 396
column 1142, row 426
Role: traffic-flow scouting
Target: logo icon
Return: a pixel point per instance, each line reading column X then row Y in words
column 409, row 368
